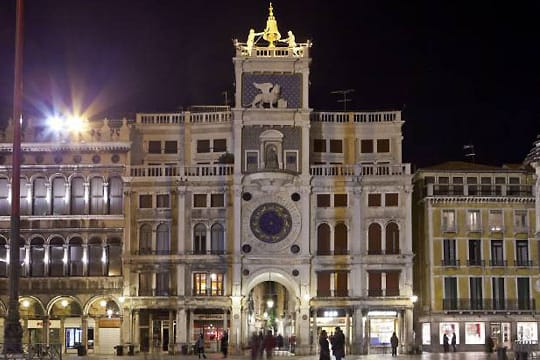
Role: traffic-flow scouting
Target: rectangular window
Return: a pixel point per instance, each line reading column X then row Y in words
column 523, row 293
column 323, row 284
column 199, row 284
column 154, row 147
column 217, row 200
column 472, row 185
column 162, row 201
column 383, row 145
column 340, row 200
column 521, row 222
column 391, row 199
column 374, row 283
column 319, row 145
column 522, row 253
column 473, row 220
column 366, row 146
column 475, row 253
column 291, row 160
column 220, row 145
column 374, row 199
column 448, row 221
column 199, row 200
column 252, row 160
column 497, row 286
column 323, row 200
column 171, row 147
column 114, row 254
column 205, row 284
column 485, row 187
column 341, row 284
column 203, row 146
column 496, row 222
column 476, row 293
column 162, row 283
column 449, row 252
column 336, row 146
column 5, row 190
column 513, row 187
column 497, row 256
column 392, row 283
column 145, row 201
column 450, row 293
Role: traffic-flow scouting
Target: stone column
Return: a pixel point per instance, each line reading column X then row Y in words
column 181, row 327
column 357, row 332
column 235, row 336
column 408, row 330
column 135, row 329
column 172, row 343
column 303, row 346
column 191, row 329
column 84, row 326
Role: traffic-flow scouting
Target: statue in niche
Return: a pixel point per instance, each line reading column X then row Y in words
column 271, row 161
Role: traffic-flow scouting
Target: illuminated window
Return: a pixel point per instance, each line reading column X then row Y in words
column 208, row 284
column 4, row 197
column 448, row 221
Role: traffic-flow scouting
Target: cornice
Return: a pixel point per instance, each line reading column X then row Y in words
column 81, row 147
column 480, row 199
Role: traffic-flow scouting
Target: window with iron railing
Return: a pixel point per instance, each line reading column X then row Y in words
column 475, row 253
column 449, row 253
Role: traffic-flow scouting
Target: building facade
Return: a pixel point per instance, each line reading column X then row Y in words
column 477, row 255
column 266, row 216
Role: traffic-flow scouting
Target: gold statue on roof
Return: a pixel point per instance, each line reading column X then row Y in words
column 271, row 33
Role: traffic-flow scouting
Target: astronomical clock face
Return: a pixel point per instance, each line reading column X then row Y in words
column 270, row 222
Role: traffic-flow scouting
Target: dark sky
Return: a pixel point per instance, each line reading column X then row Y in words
column 462, row 71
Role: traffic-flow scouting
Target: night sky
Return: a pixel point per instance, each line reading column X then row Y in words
column 462, row 71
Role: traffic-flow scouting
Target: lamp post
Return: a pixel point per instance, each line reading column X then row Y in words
column 13, row 330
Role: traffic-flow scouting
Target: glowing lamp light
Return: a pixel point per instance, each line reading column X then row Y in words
column 75, row 123
column 56, row 123
column 64, row 303
column 103, row 303
column 109, row 312
column 414, row 298
column 26, row 303
column 122, row 299
column 270, row 303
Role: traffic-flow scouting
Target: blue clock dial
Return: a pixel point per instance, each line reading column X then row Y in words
column 271, row 222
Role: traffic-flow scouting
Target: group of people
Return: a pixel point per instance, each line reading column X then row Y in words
column 259, row 344
column 224, row 344
column 446, row 344
column 336, row 341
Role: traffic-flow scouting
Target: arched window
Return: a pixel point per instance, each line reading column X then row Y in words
column 340, row 240
column 163, row 245
column 56, row 257
column 199, row 239
column 37, row 258
column 39, row 190
column 115, row 196
column 5, row 189
column 77, row 196
column 76, row 264
column 22, row 257
column 392, row 238
column 374, row 239
column 323, row 239
column 24, row 197
column 3, row 257
column 114, row 257
column 217, row 240
column 95, row 257
column 59, row 200
column 145, row 240
column 97, row 192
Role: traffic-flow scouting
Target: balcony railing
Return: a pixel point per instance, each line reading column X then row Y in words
column 207, row 292
column 210, row 117
column 450, row 262
column 523, row 263
column 498, row 263
column 205, row 252
column 476, row 262
column 383, row 292
column 332, row 252
column 152, row 252
column 356, row 117
column 157, row 292
column 472, row 304
column 479, row 190
column 383, row 252
column 333, row 293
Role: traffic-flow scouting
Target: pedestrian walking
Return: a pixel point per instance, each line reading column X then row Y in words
column 200, row 346
column 445, row 343
column 338, row 344
column 225, row 344
column 324, row 346
column 394, row 343
column 454, row 342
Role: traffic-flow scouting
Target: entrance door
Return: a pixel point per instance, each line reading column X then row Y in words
column 160, row 334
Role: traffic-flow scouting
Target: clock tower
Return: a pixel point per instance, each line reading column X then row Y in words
column 271, row 122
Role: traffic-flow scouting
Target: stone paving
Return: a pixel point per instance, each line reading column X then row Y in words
column 216, row 356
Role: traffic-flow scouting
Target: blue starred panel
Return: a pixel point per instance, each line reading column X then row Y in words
column 289, row 96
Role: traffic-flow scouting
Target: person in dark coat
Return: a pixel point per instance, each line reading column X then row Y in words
column 200, row 346
column 279, row 341
column 445, row 342
column 254, row 345
column 225, row 343
column 394, row 343
column 324, row 346
column 269, row 343
column 454, row 342
column 338, row 344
